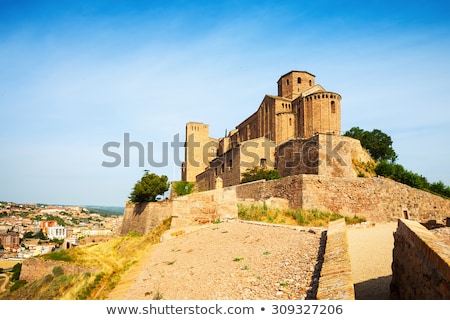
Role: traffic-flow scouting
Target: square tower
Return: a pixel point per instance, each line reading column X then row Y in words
column 292, row 84
column 200, row 149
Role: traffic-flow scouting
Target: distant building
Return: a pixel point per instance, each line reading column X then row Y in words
column 45, row 224
column 10, row 240
column 56, row 232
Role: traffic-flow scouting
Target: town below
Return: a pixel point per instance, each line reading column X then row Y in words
column 28, row 230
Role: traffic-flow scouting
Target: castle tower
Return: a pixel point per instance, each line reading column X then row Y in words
column 319, row 112
column 200, row 149
column 293, row 84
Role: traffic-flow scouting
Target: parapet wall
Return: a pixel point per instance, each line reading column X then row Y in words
column 144, row 217
column 204, row 207
column 421, row 264
column 190, row 210
column 289, row 188
column 336, row 280
column 376, row 199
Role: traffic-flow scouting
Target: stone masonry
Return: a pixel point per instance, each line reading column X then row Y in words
column 301, row 110
column 376, row 199
column 421, row 264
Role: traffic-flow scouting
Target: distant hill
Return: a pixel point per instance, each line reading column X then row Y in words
column 106, row 210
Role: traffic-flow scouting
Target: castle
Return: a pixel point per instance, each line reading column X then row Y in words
column 294, row 132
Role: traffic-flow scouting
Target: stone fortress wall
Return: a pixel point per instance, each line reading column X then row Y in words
column 376, row 199
column 421, row 264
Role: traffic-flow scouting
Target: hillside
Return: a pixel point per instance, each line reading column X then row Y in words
column 110, row 260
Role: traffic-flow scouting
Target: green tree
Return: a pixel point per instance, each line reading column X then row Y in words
column 183, row 187
column 16, row 271
column 376, row 142
column 28, row 235
column 40, row 235
column 149, row 187
column 259, row 173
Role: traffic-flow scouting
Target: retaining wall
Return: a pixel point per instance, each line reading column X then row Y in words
column 421, row 264
column 34, row 269
column 375, row 199
column 190, row 210
column 144, row 217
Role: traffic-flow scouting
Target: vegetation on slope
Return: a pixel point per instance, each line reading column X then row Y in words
column 297, row 217
column 379, row 146
column 112, row 259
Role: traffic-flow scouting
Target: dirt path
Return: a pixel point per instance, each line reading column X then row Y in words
column 228, row 261
column 371, row 257
column 236, row 260
column 5, row 282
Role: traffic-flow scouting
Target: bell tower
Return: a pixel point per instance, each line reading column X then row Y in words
column 292, row 84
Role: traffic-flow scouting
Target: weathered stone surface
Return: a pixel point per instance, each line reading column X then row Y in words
column 35, row 269
column 144, row 217
column 336, row 281
column 421, row 264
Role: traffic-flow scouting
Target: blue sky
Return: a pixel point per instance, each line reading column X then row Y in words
column 75, row 75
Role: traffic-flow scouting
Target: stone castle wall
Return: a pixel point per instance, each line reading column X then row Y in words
column 144, row 217
column 322, row 154
column 421, row 264
column 376, row 199
column 204, row 207
column 190, row 210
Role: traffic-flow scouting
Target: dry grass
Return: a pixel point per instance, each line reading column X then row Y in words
column 299, row 217
column 112, row 260
column 364, row 169
column 7, row 264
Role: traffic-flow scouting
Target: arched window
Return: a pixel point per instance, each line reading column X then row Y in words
column 299, row 80
column 310, row 83
column 287, row 81
column 333, row 107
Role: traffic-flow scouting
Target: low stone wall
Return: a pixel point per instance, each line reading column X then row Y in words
column 190, row 210
column 421, row 264
column 35, row 269
column 289, row 188
column 336, row 281
column 204, row 207
column 144, row 217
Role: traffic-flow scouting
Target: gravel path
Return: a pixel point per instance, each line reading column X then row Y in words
column 228, row 261
column 370, row 248
column 241, row 260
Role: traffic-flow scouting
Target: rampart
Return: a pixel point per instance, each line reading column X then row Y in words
column 144, row 217
column 376, row 199
column 336, row 281
column 421, row 264
column 190, row 210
